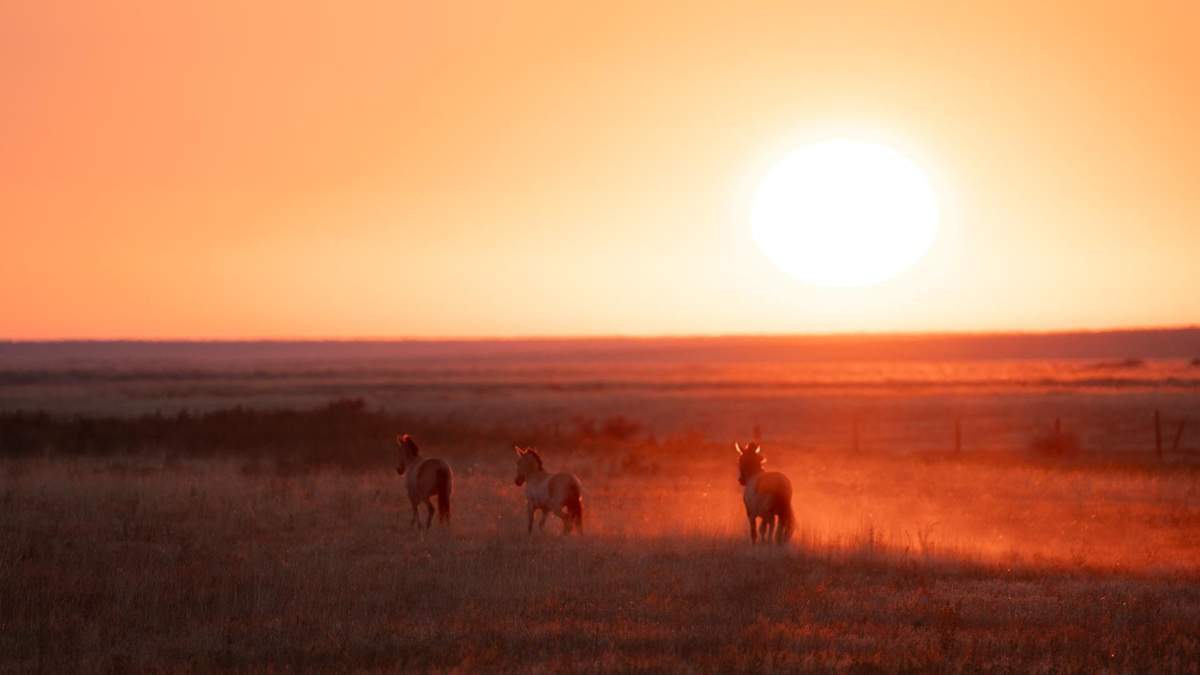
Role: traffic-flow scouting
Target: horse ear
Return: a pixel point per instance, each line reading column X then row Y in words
column 757, row 449
column 738, row 447
column 400, row 439
column 517, row 449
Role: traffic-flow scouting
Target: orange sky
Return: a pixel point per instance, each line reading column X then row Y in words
column 284, row 169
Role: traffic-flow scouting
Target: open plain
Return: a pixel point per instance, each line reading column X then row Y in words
column 213, row 518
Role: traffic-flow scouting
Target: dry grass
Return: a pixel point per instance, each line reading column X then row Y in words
column 236, row 543
column 140, row 565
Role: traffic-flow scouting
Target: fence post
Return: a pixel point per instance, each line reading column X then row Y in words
column 1178, row 435
column 1157, row 434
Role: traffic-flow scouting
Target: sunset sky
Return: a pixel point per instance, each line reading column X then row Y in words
column 301, row 169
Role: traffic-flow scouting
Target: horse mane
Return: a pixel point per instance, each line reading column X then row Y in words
column 536, row 456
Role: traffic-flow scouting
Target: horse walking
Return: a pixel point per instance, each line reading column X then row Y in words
column 768, row 496
column 424, row 478
column 560, row 493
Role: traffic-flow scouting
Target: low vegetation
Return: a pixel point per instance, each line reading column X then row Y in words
column 203, row 522
column 137, row 562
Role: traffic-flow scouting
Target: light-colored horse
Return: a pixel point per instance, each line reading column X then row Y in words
column 560, row 493
column 768, row 496
column 424, row 478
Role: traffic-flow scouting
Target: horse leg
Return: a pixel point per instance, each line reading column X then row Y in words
column 429, row 517
column 415, row 521
column 542, row 524
column 753, row 529
column 764, row 528
column 529, row 512
column 574, row 510
column 561, row 513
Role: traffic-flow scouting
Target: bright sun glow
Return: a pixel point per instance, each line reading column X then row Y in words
column 844, row 213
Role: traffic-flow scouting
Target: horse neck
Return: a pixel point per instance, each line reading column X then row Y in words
column 537, row 477
column 410, row 461
column 752, row 479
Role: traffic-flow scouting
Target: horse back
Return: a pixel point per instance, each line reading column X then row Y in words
column 425, row 479
column 770, row 492
column 776, row 485
column 564, row 487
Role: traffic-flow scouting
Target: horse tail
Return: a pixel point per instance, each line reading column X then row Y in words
column 442, row 486
column 575, row 509
column 787, row 522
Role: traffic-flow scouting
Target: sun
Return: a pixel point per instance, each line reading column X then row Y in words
column 844, row 213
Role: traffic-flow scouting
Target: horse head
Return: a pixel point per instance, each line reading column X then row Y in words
column 408, row 450
column 750, row 460
column 528, row 462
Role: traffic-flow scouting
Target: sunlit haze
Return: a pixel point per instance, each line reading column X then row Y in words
column 303, row 169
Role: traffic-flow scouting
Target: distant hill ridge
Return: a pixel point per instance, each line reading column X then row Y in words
column 1114, row 344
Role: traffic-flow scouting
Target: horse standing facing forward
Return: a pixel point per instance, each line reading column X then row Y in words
column 560, row 493
column 768, row 495
column 424, row 478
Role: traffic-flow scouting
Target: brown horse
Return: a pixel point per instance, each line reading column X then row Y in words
column 560, row 493
column 768, row 495
column 424, row 478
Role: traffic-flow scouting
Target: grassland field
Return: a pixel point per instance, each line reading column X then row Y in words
column 253, row 553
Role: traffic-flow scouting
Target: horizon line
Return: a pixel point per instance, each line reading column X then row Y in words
column 625, row 336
